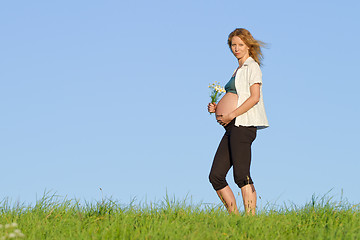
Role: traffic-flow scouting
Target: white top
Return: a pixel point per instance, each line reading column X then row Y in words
column 247, row 75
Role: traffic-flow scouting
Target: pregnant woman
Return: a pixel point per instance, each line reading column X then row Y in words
column 241, row 112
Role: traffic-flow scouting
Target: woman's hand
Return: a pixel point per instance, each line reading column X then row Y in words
column 211, row 107
column 224, row 120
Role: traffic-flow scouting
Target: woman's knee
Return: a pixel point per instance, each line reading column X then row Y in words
column 217, row 181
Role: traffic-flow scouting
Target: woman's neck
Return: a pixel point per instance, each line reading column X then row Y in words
column 242, row 60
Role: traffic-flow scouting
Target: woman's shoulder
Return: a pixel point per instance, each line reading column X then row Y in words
column 251, row 62
column 253, row 65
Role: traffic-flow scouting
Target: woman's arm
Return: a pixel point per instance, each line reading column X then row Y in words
column 243, row 108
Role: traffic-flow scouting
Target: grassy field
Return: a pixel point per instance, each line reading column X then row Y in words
column 170, row 219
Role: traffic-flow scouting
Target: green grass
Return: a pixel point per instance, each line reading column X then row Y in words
column 51, row 218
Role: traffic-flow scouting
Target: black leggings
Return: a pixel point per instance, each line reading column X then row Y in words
column 234, row 150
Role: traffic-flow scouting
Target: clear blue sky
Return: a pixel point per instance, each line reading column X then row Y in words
column 113, row 94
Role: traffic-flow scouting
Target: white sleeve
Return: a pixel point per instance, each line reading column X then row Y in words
column 255, row 75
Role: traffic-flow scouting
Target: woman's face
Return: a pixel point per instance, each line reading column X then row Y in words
column 239, row 48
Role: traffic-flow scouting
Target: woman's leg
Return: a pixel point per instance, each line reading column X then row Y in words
column 228, row 198
column 240, row 142
column 249, row 198
column 217, row 177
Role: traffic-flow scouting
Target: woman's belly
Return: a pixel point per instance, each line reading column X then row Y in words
column 227, row 104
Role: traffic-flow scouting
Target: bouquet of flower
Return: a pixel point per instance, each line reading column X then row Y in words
column 216, row 92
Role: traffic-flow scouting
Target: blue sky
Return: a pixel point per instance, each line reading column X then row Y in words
column 113, row 95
